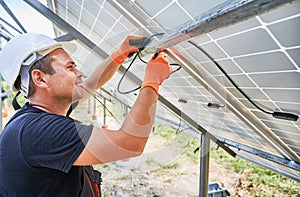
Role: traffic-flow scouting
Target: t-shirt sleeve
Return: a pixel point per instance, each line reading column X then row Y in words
column 54, row 141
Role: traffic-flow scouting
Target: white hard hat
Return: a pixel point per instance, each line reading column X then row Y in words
column 22, row 51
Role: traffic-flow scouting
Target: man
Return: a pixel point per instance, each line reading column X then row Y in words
column 42, row 152
column 4, row 99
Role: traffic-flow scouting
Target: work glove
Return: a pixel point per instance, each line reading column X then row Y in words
column 125, row 49
column 157, row 70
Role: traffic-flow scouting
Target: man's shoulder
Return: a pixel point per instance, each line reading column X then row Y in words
column 29, row 116
column 25, row 111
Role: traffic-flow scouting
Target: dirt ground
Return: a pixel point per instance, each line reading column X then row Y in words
column 120, row 180
column 170, row 172
column 167, row 170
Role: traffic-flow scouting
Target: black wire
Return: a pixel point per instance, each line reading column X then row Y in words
column 179, row 125
column 138, row 55
column 145, row 62
column 119, row 84
column 233, row 83
column 100, row 103
column 177, row 69
column 172, row 64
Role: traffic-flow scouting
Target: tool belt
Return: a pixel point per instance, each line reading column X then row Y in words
column 92, row 182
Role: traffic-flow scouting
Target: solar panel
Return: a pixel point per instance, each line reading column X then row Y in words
column 259, row 52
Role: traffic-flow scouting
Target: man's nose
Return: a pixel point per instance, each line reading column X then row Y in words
column 79, row 74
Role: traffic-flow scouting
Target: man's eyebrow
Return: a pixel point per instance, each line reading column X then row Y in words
column 72, row 62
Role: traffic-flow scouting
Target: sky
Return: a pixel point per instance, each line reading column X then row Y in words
column 30, row 19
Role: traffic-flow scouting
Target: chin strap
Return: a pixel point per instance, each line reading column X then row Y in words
column 15, row 103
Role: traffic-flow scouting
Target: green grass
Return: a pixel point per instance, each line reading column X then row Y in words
column 186, row 142
column 258, row 175
column 192, row 150
column 164, row 131
column 170, row 166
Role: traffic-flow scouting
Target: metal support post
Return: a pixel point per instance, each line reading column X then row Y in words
column 104, row 111
column 204, row 165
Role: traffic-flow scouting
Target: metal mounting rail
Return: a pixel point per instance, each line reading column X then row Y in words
column 225, row 14
column 66, row 26
column 262, row 154
column 12, row 15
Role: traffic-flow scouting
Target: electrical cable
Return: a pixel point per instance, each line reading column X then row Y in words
column 229, row 78
column 179, row 125
column 132, row 61
column 172, row 64
column 119, row 84
column 138, row 54
column 141, row 44
column 281, row 115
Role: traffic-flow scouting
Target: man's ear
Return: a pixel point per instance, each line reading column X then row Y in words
column 38, row 78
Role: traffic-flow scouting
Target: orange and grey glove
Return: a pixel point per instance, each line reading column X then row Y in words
column 125, row 49
column 157, row 70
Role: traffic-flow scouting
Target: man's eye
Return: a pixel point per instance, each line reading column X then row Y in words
column 72, row 66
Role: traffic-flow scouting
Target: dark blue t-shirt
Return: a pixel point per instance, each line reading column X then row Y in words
column 37, row 152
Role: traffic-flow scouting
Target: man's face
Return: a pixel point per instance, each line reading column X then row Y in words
column 65, row 83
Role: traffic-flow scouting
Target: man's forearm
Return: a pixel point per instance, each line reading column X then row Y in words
column 140, row 119
column 101, row 74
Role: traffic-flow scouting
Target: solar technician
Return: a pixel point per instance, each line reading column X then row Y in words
column 43, row 152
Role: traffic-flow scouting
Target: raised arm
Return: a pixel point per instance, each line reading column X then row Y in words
column 107, row 145
column 110, row 65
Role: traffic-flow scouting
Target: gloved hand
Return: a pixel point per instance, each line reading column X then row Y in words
column 157, row 70
column 125, row 49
